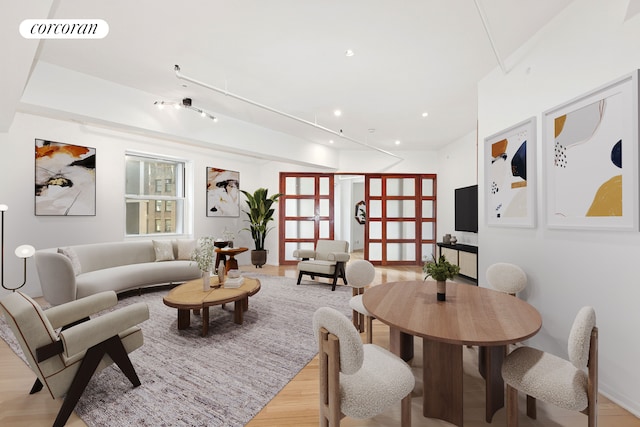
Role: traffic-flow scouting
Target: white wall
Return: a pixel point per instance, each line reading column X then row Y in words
column 17, row 190
column 586, row 46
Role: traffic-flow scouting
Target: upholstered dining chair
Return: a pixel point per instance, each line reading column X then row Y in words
column 357, row 380
column 571, row 384
column 506, row 277
column 359, row 274
column 64, row 348
column 327, row 260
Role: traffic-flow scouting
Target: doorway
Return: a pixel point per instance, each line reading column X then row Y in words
column 389, row 218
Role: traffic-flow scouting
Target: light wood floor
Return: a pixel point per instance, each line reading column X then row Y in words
column 297, row 404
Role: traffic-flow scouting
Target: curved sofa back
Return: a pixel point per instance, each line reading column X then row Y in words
column 99, row 256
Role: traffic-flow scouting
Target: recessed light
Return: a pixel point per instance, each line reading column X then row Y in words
column 397, row 142
column 337, row 113
column 331, row 141
column 425, row 114
column 349, row 53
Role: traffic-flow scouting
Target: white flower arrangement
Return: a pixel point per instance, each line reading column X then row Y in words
column 228, row 235
column 204, row 253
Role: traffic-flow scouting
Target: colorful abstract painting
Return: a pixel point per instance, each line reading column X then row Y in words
column 223, row 192
column 592, row 159
column 65, row 179
column 510, row 175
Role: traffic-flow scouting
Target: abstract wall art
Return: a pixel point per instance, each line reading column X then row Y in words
column 510, row 176
column 223, row 192
column 65, row 179
column 591, row 159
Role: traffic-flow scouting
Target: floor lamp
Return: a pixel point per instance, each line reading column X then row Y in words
column 23, row 251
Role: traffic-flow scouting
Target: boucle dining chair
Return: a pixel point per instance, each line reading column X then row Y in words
column 65, row 361
column 359, row 274
column 506, row 277
column 570, row 384
column 357, row 380
column 327, row 260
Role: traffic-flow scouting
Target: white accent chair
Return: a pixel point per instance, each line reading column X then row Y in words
column 327, row 260
column 361, row 273
column 65, row 361
column 506, row 277
column 571, row 384
column 357, row 380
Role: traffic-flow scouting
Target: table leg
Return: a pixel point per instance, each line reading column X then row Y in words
column 205, row 321
column 238, row 310
column 491, row 359
column 442, row 378
column 184, row 318
column 401, row 344
column 231, row 264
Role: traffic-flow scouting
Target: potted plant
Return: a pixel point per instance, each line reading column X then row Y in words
column 259, row 214
column 440, row 271
column 204, row 255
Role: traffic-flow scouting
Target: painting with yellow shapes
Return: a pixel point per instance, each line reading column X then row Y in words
column 510, row 176
column 591, row 159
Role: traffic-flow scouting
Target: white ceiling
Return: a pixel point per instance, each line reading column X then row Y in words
column 410, row 56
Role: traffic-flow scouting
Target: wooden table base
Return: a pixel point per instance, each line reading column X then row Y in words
column 184, row 315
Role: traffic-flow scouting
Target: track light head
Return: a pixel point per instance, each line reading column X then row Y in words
column 186, row 102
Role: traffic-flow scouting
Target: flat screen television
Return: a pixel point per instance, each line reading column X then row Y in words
column 466, row 208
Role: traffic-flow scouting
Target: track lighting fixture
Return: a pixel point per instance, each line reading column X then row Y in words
column 187, row 104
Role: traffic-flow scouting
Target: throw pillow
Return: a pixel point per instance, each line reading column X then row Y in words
column 73, row 257
column 163, row 250
column 185, row 248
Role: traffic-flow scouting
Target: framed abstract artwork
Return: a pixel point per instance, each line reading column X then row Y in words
column 591, row 159
column 223, row 192
column 65, row 179
column 510, row 176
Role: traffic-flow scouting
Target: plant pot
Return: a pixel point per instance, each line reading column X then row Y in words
column 259, row 257
column 441, row 289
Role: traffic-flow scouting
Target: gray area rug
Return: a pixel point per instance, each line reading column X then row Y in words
column 223, row 379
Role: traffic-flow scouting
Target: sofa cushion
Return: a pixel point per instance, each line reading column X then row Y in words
column 73, row 257
column 185, row 248
column 163, row 250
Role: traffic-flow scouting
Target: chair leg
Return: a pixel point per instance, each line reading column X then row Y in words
column 114, row 348
column 37, row 386
column 512, row 406
column 405, row 413
column 531, row 407
column 299, row 278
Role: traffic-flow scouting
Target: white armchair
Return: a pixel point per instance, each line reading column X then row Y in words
column 65, row 361
column 327, row 260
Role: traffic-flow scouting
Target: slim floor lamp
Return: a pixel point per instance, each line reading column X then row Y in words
column 22, row 251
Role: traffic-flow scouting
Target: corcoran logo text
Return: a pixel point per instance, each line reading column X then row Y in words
column 64, row 28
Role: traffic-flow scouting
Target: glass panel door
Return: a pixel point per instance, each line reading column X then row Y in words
column 308, row 212
column 401, row 218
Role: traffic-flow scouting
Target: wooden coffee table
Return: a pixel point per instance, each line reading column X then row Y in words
column 190, row 296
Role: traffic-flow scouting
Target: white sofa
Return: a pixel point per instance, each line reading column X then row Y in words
column 74, row 272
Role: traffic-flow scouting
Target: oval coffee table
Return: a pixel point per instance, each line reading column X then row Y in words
column 190, row 296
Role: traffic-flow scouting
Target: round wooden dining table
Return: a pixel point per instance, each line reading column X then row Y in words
column 470, row 316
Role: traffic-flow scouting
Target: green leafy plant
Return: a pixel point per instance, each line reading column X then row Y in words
column 204, row 254
column 440, row 270
column 259, row 214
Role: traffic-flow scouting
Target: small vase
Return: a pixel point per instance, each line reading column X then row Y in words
column 206, row 280
column 221, row 269
column 441, row 290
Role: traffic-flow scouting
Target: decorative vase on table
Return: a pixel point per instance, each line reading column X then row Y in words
column 440, row 271
column 206, row 280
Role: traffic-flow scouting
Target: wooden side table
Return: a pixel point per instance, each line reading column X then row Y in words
column 231, row 263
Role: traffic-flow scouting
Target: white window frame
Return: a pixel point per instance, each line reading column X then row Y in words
column 184, row 219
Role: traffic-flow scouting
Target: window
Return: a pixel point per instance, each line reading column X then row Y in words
column 152, row 182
